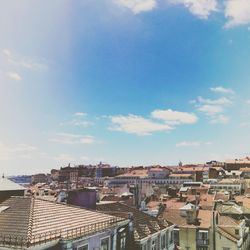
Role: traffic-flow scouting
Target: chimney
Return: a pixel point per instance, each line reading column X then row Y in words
column 191, row 216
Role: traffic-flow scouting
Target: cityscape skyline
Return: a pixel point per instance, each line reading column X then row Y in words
column 125, row 82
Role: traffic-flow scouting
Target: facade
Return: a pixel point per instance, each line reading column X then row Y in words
column 193, row 227
column 148, row 232
column 39, row 178
column 230, row 185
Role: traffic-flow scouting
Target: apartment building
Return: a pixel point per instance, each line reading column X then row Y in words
column 150, row 233
column 29, row 223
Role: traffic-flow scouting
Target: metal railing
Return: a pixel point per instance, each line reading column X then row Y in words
column 202, row 242
column 70, row 234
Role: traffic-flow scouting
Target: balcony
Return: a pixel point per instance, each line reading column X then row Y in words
column 202, row 242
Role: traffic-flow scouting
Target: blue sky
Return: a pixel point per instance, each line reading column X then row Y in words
column 128, row 82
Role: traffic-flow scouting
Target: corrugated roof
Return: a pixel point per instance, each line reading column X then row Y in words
column 8, row 185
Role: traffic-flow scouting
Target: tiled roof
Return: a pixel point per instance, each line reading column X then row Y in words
column 204, row 218
column 227, row 221
column 228, row 208
column 226, row 234
column 33, row 220
column 144, row 224
column 8, row 185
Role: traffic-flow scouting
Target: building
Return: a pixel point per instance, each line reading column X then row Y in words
column 39, row 178
column 27, row 223
column 193, row 227
column 229, row 185
column 236, row 164
column 149, row 232
column 9, row 188
column 231, row 234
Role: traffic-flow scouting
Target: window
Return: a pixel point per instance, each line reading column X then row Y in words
column 171, row 238
column 203, row 235
column 237, row 232
column 84, row 247
column 163, row 241
column 123, row 241
column 105, row 244
column 153, row 245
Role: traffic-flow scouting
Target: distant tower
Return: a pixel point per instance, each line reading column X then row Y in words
column 180, row 164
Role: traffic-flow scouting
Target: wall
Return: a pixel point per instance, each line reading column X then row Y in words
column 187, row 238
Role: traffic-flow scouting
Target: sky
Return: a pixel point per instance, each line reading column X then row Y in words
column 125, row 82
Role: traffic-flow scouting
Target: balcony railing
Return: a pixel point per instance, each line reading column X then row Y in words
column 202, row 242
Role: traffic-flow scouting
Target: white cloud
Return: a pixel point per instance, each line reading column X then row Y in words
column 199, row 8
column 80, row 114
column 138, row 125
column 77, row 123
column 193, row 144
column 14, row 76
column 238, row 12
column 137, row 6
column 248, row 101
column 174, row 117
column 188, row 144
column 27, row 63
column 222, row 90
column 220, row 119
column 214, row 109
column 66, row 138
column 20, row 150
column 79, row 120
column 220, row 101
column 211, row 109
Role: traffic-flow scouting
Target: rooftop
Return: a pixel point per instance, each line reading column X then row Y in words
column 32, row 221
column 144, row 224
column 8, row 185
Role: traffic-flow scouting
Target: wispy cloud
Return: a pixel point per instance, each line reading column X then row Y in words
column 200, row 8
column 66, row 138
column 192, row 144
column 19, row 150
column 215, row 109
column 18, row 61
column 222, row 90
column 79, row 119
column 137, row 6
column 174, row 117
column 220, row 119
column 138, row 125
column 80, row 114
column 14, row 76
column 210, row 110
column 188, row 144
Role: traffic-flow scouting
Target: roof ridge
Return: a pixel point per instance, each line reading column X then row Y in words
column 30, row 226
column 226, row 234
